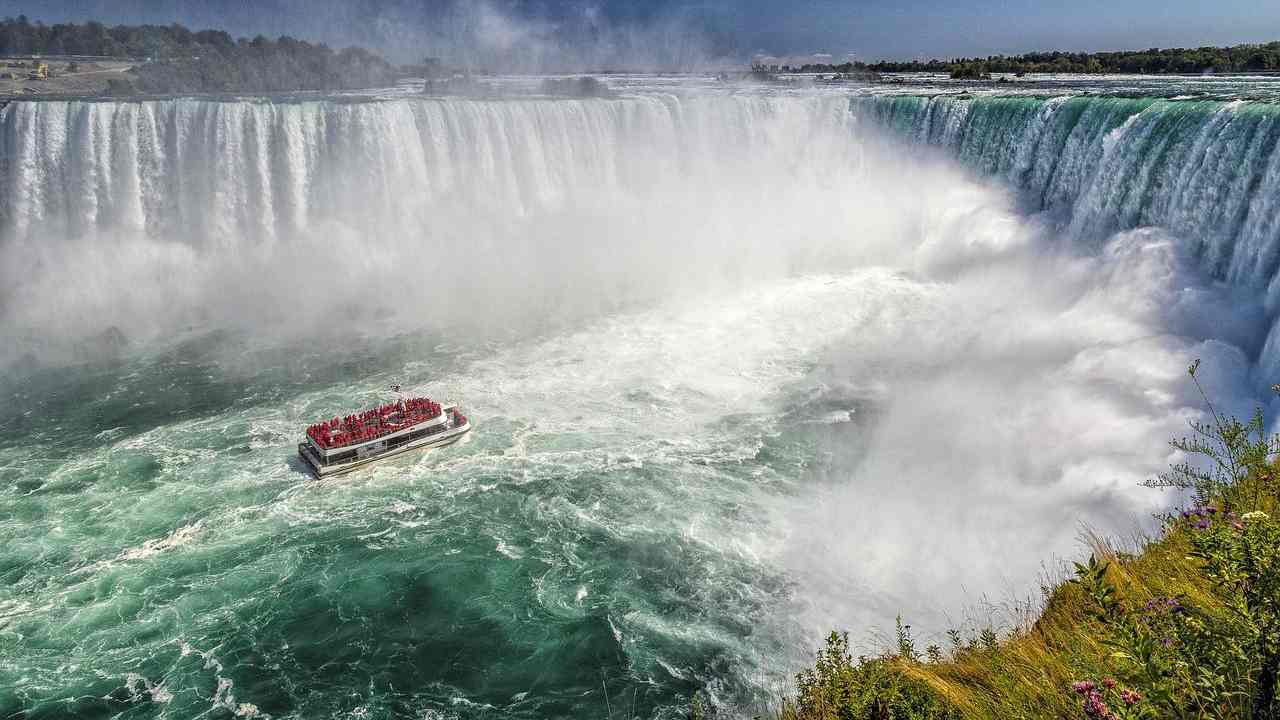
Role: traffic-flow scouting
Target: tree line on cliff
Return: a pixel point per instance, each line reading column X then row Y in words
column 175, row 59
column 1234, row 59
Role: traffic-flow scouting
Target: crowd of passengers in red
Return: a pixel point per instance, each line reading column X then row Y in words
column 375, row 423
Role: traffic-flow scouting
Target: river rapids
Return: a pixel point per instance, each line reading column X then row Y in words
column 745, row 365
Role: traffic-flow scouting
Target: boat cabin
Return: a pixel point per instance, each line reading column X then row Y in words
column 341, row 444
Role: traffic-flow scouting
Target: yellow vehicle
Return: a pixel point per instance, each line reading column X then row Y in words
column 41, row 72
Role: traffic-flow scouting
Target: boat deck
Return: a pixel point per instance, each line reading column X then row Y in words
column 388, row 437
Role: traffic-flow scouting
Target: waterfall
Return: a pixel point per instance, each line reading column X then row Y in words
column 1208, row 171
column 150, row 191
column 804, row 380
column 148, row 216
column 209, row 173
column 218, row 174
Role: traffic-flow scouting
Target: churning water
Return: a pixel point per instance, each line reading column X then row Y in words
column 744, row 366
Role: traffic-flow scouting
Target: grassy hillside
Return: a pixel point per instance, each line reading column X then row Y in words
column 1186, row 627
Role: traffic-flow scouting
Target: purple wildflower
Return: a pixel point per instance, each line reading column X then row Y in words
column 1199, row 511
column 1095, row 709
column 1162, row 604
column 1093, row 706
column 1130, row 697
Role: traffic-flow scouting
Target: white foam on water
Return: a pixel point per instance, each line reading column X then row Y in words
column 138, row 685
column 654, row 305
column 178, row 538
column 506, row 550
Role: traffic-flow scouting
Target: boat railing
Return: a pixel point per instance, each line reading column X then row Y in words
column 371, row 425
column 454, row 420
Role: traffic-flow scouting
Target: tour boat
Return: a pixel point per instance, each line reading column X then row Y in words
column 343, row 444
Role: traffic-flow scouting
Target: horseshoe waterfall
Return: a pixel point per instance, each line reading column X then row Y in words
column 744, row 363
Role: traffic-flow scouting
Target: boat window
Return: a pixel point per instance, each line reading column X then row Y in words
column 341, row 457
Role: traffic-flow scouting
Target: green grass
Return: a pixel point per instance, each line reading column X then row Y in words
column 1213, row 655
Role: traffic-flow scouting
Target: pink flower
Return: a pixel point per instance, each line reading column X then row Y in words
column 1095, row 709
column 1109, row 683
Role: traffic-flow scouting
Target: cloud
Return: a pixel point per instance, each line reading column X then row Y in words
column 599, row 33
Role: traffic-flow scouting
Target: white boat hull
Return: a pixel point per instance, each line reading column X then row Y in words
column 323, row 470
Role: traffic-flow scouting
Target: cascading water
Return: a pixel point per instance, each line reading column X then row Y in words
column 1207, row 170
column 741, row 371
column 174, row 199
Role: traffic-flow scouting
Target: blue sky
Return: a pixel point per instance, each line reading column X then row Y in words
column 621, row 31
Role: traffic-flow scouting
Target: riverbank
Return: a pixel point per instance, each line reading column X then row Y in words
column 1187, row 624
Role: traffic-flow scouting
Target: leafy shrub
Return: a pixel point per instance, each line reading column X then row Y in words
column 1190, row 663
column 848, row 688
column 1234, row 451
column 1188, row 628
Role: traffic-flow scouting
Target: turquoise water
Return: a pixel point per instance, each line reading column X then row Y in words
column 165, row 554
column 1205, row 169
column 158, row 524
column 741, row 371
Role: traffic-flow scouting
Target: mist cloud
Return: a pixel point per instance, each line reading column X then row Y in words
column 986, row 389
